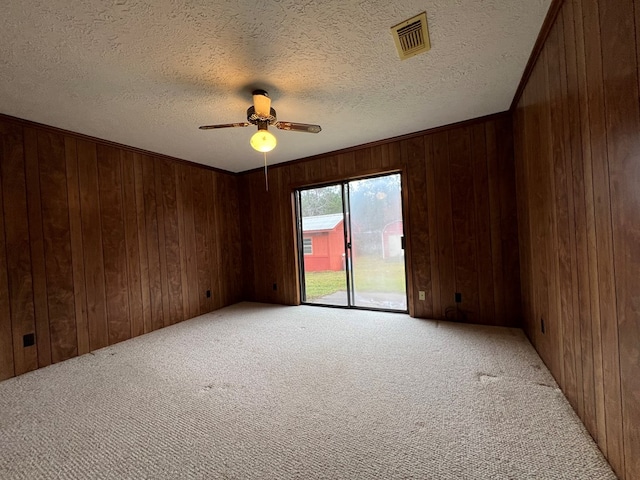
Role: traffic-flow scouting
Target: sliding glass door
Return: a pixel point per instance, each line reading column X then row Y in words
column 351, row 244
column 321, row 235
column 377, row 243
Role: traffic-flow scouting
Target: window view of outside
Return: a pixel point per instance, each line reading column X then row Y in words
column 377, row 253
column 323, row 245
column 377, row 257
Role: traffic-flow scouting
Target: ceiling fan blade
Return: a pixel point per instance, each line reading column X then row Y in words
column 299, row 127
column 224, row 125
column 261, row 103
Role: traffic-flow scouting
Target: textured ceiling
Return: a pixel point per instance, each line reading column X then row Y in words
column 148, row 73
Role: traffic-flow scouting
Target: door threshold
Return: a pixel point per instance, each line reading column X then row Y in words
column 353, row 307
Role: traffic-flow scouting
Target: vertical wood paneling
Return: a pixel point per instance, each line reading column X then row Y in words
column 278, row 248
column 92, row 244
column 172, row 243
column 581, row 119
column 202, row 198
column 233, row 246
column 569, row 283
column 219, row 220
column 523, row 138
column 113, row 238
column 566, row 219
column 215, row 240
column 285, row 243
column 362, row 160
column 36, row 236
column 90, row 237
column 444, row 222
column 375, row 161
column 6, row 341
column 246, row 240
column 181, row 193
column 576, row 179
column 222, row 217
column 438, row 311
column 588, row 286
column 347, row 166
column 75, row 232
column 601, row 241
column 625, row 178
column 153, row 249
column 192, row 300
column 14, row 190
column 332, row 166
column 620, row 77
column 288, row 215
column 59, row 266
column 418, row 213
column 440, row 194
column 263, row 268
column 145, row 288
column 546, row 265
column 162, row 245
column 134, row 290
column 538, row 282
column 190, row 230
column 463, row 211
column 483, row 222
column 495, row 224
column 508, row 224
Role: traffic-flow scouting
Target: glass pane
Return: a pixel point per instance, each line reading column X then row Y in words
column 325, row 279
column 376, row 237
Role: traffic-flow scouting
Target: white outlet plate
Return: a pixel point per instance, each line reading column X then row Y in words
column 421, row 295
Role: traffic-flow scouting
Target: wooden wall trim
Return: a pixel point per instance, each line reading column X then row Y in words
column 548, row 23
column 385, row 141
column 107, row 143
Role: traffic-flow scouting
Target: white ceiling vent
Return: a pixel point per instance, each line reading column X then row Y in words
column 412, row 36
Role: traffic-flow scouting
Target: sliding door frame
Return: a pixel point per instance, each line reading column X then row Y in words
column 343, row 183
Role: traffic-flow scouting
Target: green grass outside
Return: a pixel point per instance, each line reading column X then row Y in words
column 371, row 274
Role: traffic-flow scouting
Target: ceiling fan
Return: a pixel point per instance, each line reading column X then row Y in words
column 262, row 115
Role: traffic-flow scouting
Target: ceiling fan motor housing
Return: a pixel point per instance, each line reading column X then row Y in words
column 254, row 118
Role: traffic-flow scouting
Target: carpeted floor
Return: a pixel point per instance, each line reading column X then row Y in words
column 271, row 392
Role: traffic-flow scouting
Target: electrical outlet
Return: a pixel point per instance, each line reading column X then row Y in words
column 542, row 325
column 458, row 297
column 28, row 340
column 208, row 293
column 275, row 286
column 421, row 295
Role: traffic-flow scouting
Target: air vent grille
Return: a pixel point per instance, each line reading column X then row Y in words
column 412, row 36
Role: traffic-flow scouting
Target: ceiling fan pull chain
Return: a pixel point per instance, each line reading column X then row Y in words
column 266, row 179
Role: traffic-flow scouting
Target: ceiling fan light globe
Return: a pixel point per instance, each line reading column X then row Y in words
column 263, row 141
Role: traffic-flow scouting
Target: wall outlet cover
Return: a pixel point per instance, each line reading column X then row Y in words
column 28, row 340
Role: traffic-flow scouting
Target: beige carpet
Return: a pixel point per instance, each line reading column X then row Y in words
column 271, row 392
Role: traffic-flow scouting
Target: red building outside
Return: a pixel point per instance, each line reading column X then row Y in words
column 392, row 240
column 323, row 242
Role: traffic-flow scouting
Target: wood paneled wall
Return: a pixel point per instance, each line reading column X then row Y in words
column 577, row 131
column 460, row 219
column 100, row 243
